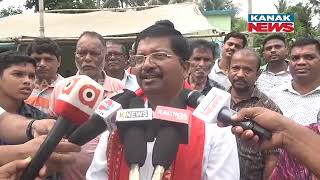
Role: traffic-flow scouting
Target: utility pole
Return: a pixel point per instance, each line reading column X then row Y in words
column 250, row 35
column 41, row 18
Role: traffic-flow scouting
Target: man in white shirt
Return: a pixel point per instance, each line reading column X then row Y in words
column 276, row 73
column 233, row 41
column 116, row 64
column 299, row 100
column 211, row 153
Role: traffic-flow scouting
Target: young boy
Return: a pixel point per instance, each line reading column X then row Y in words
column 17, row 75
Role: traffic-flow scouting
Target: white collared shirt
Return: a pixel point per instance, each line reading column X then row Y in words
column 129, row 81
column 303, row 109
column 218, row 75
column 220, row 159
column 268, row 80
column 2, row 111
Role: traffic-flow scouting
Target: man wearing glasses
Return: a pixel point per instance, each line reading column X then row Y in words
column 160, row 57
column 116, row 64
column 90, row 60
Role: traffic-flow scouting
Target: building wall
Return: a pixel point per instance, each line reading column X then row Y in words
column 222, row 22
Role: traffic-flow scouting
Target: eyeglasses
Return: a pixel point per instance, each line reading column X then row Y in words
column 156, row 57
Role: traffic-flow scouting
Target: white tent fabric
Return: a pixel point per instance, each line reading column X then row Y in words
column 186, row 17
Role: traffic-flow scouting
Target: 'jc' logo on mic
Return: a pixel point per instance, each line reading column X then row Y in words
column 87, row 93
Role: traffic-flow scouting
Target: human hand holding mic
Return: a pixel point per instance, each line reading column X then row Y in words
column 270, row 120
column 74, row 105
column 214, row 107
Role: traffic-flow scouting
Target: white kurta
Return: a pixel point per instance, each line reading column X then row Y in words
column 220, row 161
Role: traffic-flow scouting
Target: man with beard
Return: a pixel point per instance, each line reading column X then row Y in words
column 200, row 64
column 299, row 99
column 276, row 73
column 160, row 56
column 116, row 64
column 90, row 60
column 233, row 41
column 243, row 73
column 47, row 54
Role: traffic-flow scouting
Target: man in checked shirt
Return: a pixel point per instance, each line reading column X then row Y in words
column 243, row 73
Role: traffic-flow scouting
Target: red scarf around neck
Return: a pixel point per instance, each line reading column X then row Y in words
column 188, row 163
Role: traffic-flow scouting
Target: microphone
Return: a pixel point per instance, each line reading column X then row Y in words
column 74, row 105
column 132, row 124
column 215, row 106
column 102, row 119
column 174, row 130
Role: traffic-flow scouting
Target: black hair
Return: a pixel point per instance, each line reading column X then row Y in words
column 202, row 44
column 236, row 35
column 93, row 34
column 44, row 45
column 307, row 41
column 274, row 36
column 10, row 58
column 123, row 47
column 165, row 28
column 248, row 51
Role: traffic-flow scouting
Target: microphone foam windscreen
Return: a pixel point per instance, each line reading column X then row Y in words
column 135, row 143
column 192, row 99
column 78, row 99
column 124, row 98
column 166, row 146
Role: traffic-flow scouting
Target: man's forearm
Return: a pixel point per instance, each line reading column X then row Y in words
column 304, row 144
column 13, row 128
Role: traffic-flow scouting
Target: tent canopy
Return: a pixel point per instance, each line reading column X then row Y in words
column 187, row 18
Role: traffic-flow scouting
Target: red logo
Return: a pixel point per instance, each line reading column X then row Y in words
column 68, row 88
column 88, row 95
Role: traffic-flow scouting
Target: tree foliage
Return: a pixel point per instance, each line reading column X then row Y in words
column 238, row 24
column 281, row 6
column 302, row 21
column 61, row 4
column 10, row 11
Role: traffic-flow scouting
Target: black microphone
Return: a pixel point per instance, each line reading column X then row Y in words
column 215, row 106
column 173, row 129
column 165, row 149
column 102, row 119
column 131, row 124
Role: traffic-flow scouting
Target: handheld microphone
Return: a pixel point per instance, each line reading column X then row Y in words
column 74, row 105
column 131, row 124
column 215, row 106
column 173, row 130
column 102, row 119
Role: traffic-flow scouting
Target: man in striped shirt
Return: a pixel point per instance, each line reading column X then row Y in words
column 47, row 54
column 299, row 100
column 90, row 60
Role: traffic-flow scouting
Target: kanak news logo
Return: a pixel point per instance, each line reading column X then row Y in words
column 270, row 23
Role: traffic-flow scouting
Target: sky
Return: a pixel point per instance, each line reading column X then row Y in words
column 258, row 6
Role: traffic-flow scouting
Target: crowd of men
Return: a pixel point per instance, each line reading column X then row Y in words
column 163, row 63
